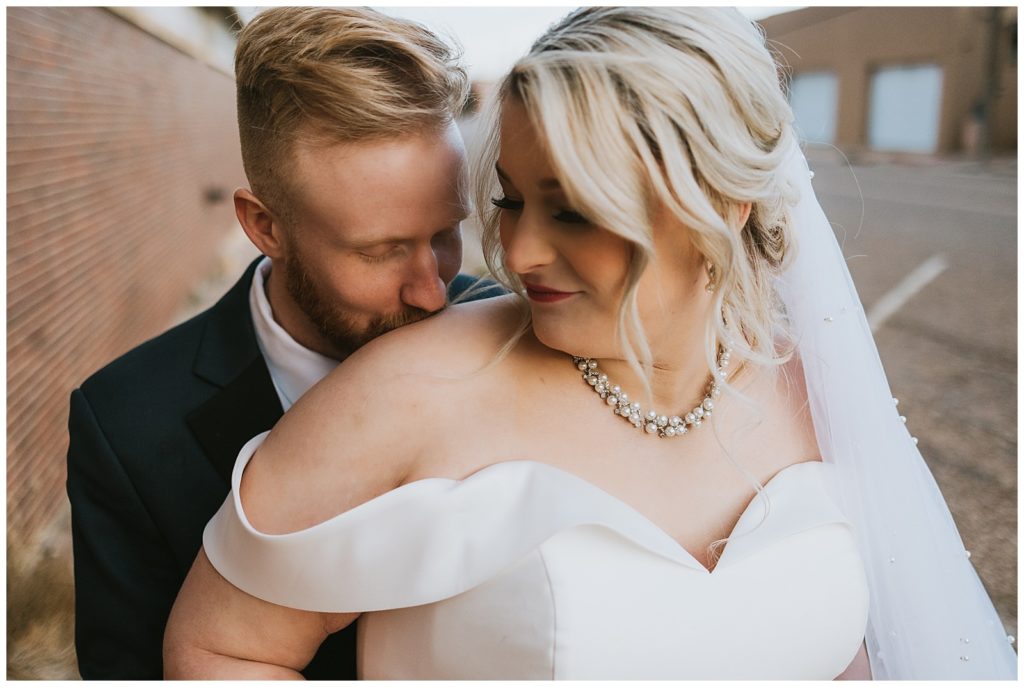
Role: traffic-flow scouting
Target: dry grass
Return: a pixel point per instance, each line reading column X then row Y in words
column 41, row 609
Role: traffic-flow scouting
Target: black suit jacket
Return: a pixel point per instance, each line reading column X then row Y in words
column 154, row 436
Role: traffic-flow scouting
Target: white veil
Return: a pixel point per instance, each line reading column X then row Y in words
column 930, row 617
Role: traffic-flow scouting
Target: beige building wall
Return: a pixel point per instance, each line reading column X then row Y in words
column 855, row 42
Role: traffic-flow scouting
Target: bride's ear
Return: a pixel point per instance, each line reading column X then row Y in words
column 742, row 215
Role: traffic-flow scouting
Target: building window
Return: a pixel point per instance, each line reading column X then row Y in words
column 904, row 108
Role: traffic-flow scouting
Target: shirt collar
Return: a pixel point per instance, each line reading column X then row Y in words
column 293, row 367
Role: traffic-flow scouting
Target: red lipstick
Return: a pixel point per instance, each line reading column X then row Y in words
column 544, row 294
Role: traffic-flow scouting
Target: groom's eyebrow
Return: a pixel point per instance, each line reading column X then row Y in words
column 371, row 241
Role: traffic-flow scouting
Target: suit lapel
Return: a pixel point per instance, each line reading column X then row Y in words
column 228, row 357
column 246, row 403
column 244, row 408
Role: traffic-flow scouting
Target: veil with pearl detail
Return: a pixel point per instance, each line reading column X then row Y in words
column 930, row 617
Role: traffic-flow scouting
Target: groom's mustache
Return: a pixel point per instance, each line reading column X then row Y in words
column 407, row 316
column 383, row 325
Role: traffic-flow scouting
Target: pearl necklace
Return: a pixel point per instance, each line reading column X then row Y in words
column 652, row 422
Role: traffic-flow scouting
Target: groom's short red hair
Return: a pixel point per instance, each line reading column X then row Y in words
column 335, row 75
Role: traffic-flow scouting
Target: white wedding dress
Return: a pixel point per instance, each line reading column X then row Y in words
column 525, row 571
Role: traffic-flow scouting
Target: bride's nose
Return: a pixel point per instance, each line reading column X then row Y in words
column 528, row 244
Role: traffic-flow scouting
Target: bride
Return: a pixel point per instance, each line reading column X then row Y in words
column 671, row 453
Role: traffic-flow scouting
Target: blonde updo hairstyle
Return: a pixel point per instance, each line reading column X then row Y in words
column 641, row 106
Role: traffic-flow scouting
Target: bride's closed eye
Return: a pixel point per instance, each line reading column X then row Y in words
column 565, row 216
column 571, row 217
column 506, row 203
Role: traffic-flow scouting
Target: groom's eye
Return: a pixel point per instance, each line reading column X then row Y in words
column 379, row 253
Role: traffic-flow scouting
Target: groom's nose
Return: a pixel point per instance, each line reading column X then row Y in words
column 423, row 287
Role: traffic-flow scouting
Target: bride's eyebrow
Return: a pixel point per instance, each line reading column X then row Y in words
column 547, row 183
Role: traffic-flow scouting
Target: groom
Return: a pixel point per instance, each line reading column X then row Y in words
column 357, row 191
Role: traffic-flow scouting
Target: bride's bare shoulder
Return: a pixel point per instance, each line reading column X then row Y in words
column 459, row 337
column 364, row 428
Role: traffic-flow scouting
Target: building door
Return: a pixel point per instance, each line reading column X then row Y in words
column 904, row 108
column 813, row 97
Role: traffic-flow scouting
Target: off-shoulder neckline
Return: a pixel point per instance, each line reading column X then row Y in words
column 741, row 526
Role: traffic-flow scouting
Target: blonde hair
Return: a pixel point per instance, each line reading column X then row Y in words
column 641, row 106
column 331, row 75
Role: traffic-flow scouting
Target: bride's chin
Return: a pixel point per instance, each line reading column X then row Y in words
column 559, row 341
column 551, row 336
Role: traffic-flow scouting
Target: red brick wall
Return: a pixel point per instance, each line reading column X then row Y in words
column 113, row 138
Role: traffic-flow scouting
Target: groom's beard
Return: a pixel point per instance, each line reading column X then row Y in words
column 334, row 322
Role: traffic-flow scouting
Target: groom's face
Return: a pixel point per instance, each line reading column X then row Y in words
column 376, row 238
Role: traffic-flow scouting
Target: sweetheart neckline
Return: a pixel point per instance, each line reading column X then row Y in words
column 661, row 531
column 456, row 534
column 648, row 523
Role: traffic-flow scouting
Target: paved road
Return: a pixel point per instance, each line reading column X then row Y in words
column 950, row 348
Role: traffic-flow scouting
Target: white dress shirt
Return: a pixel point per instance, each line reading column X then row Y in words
column 293, row 367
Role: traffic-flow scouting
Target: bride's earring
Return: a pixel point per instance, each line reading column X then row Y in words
column 710, row 288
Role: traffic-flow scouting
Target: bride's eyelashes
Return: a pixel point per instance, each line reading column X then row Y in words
column 506, row 203
column 571, row 217
column 564, row 216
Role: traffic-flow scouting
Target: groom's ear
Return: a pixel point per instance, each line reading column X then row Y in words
column 258, row 223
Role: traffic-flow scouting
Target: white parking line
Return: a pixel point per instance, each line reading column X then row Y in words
column 886, row 306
